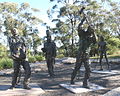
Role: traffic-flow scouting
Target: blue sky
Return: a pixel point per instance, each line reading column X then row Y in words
column 42, row 5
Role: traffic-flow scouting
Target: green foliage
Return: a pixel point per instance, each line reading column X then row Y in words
column 113, row 45
column 39, row 57
column 3, row 51
column 32, row 59
column 105, row 22
column 114, row 42
column 60, row 56
column 6, row 63
column 21, row 17
column 115, row 56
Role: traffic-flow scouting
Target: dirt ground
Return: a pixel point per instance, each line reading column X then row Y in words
column 63, row 74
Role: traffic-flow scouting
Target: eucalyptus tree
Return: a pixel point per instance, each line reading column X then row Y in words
column 18, row 16
column 105, row 21
column 114, row 18
column 62, row 36
column 35, row 40
column 72, row 16
column 70, row 13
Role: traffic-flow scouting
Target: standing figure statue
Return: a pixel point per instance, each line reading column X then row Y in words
column 18, row 54
column 86, row 39
column 50, row 53
column 102, row 50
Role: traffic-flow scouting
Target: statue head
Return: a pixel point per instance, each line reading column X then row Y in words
column 48, row 36
column 47, row 33
column 101, row 38
column 14, row 31
column 90, row 30
column 81, row 31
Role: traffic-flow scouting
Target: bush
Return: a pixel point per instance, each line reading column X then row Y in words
column 39, row 57
column 60, row 56
column 31, row 59
column 113, row 45
column 3, row 51
column 6, row 63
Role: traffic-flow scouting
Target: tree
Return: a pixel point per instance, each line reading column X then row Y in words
column 36, row 40
column 103, row 20
column 18, row 16
column 71, row 14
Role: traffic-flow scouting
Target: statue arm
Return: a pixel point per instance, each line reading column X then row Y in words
column 81, row 23
column 43, row 49
column 24, row 44
column 11, row 47
column 54, row 50
column 94, row 37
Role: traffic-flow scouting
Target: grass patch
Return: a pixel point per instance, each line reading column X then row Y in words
column 114, row 56
column 109, row 56
column 39, row 58
column 6, row 63
column 31, row 59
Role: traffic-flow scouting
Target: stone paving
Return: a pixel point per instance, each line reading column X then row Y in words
column 72, row 60
column 18, row 91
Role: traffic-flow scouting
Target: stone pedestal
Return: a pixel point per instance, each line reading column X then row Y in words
column 77, row 87
column 113, row 92
column 19, row 91
column 102, row 71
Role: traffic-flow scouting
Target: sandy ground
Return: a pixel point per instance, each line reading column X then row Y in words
column 63, row 74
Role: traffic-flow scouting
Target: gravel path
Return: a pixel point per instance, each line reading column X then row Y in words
column 63, row 74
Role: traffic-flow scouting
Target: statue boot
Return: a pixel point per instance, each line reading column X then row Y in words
column 25, row 85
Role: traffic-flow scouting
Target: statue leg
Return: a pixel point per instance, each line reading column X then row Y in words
column 50, row 62
column 107, row 61
column 19, row 76
column 16, row 66
column 52, row 66
column 101, row 56
column 87, row 73
column 27, row 69
column 75, row 70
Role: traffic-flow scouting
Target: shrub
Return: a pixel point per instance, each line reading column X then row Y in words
column 60, row 56
column 6, row 63
column 113, row 45
column 39, row 57
column 31, row 59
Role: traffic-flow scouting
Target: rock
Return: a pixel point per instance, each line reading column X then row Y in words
column 69, row 60
column 113, row 92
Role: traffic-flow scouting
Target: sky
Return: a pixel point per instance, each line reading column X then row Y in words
column 40, row 4
column 43, row 6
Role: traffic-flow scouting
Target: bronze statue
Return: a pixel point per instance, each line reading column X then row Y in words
column 102, row 50
column 50, row 53
column 18, row 54
column 86, row 38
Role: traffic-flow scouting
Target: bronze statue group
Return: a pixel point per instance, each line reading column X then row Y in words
column 86, row 39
